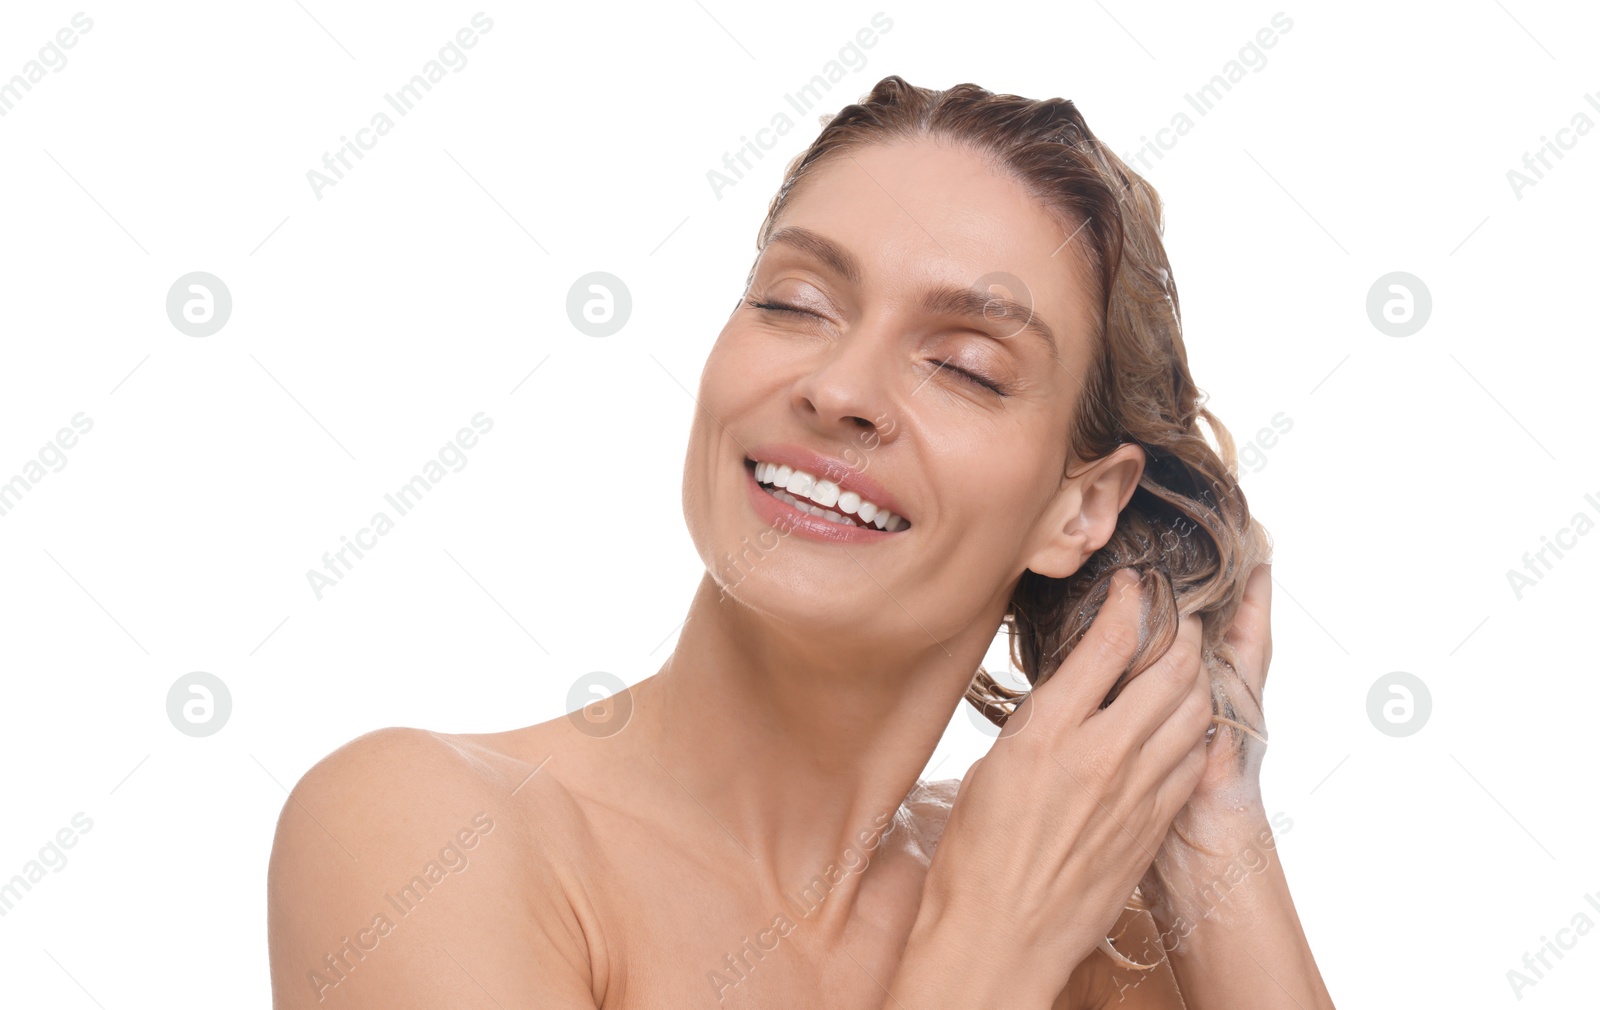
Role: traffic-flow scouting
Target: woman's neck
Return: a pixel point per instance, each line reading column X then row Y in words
column 800, row 745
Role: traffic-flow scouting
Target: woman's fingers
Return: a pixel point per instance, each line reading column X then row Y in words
column 1150, row 698
column 1250, row 634
column 1053, row 829
column 1093, row 666
column 1175, row 791
column 1184, row 726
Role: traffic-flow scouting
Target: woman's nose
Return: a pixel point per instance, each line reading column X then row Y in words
column 847, row 390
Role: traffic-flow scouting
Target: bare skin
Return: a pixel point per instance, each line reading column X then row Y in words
column 605, row 886
column 617, row 862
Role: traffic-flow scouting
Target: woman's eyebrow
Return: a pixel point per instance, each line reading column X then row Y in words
column 834, row 256
column 969, row 303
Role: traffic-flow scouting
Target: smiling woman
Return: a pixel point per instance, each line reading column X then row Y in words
column 953, row 397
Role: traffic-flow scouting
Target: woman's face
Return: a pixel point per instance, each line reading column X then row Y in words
column 890, row 254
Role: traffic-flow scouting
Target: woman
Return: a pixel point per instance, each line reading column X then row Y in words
column 954, row 395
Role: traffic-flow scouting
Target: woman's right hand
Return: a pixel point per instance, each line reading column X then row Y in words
column 1051, row 831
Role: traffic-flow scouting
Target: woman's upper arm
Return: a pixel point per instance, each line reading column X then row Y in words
column 1100, row 984
column 401, row 875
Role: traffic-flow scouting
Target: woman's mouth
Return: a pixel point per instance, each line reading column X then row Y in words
column 823, row 498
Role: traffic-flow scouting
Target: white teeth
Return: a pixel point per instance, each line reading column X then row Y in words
column 820, row 513
column 815, row 496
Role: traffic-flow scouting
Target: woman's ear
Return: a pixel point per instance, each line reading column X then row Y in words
column 1083, row 515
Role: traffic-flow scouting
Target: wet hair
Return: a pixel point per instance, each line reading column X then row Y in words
column 1187, row 530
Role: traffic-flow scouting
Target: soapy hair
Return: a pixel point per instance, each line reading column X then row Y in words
column 1187, row 530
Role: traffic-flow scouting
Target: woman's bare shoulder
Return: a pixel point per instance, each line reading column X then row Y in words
column 411, row 849
column 421, row 771
column 403, row 787
column 393, row 750
column 400, row 777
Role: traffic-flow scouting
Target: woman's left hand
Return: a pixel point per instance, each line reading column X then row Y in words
column 1232, row 778
column 1225, row 814
column 1226, row 923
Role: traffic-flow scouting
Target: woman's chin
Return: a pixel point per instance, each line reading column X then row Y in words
column 799, row 602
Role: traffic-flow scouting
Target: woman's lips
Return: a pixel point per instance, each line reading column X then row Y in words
column 824, row 498
column 849, row 475
column 786, row 519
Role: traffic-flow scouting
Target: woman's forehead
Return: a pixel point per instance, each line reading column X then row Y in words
column 939, row 188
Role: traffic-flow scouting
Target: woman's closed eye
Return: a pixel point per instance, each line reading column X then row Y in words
column 778, row 307
column 972, row 377
column 975, row 378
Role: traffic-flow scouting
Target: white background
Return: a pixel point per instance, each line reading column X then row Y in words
column 369, row 325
